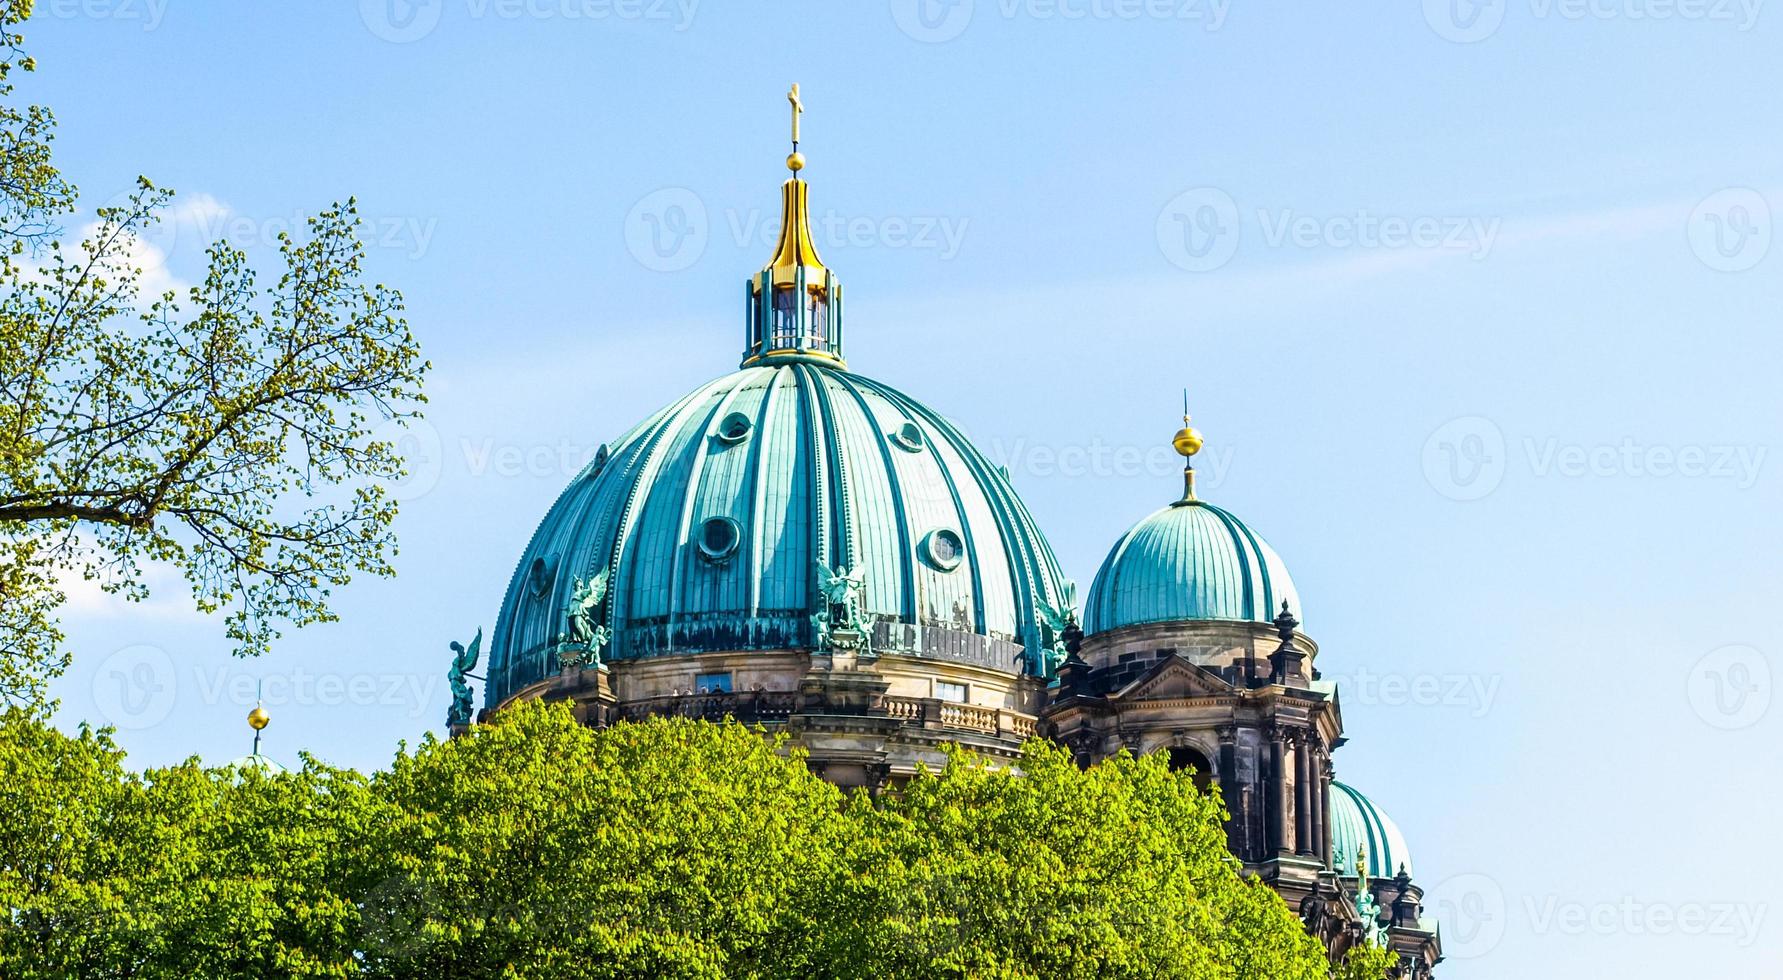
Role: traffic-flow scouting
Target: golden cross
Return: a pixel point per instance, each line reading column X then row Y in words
column 797, row 107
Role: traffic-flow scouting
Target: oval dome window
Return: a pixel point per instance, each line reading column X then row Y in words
column 734, row 428
column 909, row 438
column 538, row 577
column 942, row 550
column 719, row 538
column 600, row 462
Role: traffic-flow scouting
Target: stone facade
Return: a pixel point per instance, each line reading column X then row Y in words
column 1242, row 705
column 866, row 721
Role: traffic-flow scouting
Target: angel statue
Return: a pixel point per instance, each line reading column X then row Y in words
column 841, row 587
column 585, row 637
column 463, row 662
column 585, row 598
column 1061, row 628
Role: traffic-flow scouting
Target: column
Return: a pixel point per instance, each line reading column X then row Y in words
column 1238, row 822
column 1303, row 794
column 1278, row 791
column 1325, row 775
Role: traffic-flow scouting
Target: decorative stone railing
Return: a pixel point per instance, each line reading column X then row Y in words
column 774, row 707
column 745, row 706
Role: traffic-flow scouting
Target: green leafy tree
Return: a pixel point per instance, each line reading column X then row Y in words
column 178, row 872
column 1120, row 871
column 230, row 432
column 535, row 847
column 540, row 848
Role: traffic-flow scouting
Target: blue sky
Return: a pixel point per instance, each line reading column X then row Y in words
column 1478, row 305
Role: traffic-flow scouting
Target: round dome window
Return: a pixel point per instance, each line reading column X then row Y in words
column 719, row 538
column 942, row 550
column 734, row 428
column 909, row 438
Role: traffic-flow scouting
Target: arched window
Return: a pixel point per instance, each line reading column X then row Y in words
column 1183, row 757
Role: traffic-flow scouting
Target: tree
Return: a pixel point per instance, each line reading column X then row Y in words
column 1118, row 871
column 181, row 871
column 535, row 847
column 231, row 433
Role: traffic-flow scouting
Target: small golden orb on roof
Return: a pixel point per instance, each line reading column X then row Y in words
column 1187, row 441
column 258, row 718
column 795, row 162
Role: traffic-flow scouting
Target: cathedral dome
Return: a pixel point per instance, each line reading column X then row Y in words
column 780, row 508
column 706, row 525
column 1189, row 561
column 1358, row 825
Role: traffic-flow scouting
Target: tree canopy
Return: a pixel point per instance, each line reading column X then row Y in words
column 536, row 847
column 228, row 430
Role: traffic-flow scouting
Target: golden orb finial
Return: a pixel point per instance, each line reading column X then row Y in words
column 1187, row 442
column 1187, row 439
column 258, row 718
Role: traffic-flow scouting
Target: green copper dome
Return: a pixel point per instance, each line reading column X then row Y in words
column 706, row 525
column 1357, row 824
column 1189, row 561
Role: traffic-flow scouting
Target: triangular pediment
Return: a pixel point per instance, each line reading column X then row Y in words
column 1173, row 677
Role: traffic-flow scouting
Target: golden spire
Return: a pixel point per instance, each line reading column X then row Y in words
column 1187, row 443
column 795, row 249
column 794, row 302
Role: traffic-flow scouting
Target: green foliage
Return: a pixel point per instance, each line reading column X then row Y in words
column 1365, row 962
column 231, row 433
column 538, row 848
column 1121, row 871
column 178, row 872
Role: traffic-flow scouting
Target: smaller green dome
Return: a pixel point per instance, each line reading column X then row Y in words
column 256, row 761
column 1189, row 561
column 1357, row 824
